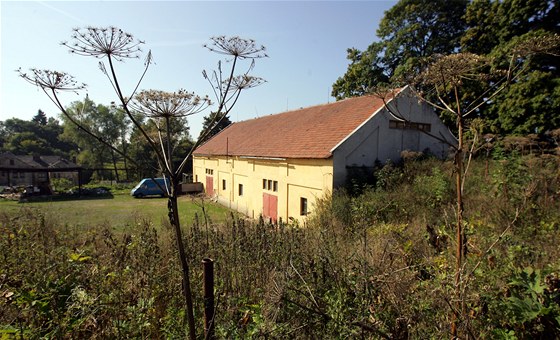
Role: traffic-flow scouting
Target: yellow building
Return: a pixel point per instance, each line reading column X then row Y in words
column 277, row 166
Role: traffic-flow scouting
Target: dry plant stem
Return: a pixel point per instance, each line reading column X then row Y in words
column 173, row 211
column 124, row 103
column 172, row 206
column 187, row 293
column 114, row 44
column 459, row 253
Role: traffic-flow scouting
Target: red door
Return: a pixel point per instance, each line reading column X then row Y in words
column 209, row 185
column 270, row 206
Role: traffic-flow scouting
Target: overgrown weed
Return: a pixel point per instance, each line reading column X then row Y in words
column 376, row 265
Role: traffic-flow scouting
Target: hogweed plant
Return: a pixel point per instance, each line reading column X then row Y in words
column 444, row 84
column 111, row 44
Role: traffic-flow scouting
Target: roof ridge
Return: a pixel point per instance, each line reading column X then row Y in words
column 306, row 108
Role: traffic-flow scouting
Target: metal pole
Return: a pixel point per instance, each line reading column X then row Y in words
column 208, row 269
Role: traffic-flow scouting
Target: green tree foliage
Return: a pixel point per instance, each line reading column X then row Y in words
column 530, row 106
column 409, row 32
column 415, row 29
column 413, row 33
column 37, row 136
column 365, row 70
column 492, row 23
column 213, row 123
column 495, row 28
column 40, row 118
column 109, row 122
column 141, row 150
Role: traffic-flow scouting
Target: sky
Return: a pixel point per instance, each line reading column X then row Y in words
column 306, row 43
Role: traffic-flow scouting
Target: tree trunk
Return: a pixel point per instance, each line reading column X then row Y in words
column 115, row 166
column 125, row 149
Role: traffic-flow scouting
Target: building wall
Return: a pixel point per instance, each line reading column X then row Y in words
column 379, row 140
column 287, row 181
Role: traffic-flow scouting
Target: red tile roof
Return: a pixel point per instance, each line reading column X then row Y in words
column 306, row 133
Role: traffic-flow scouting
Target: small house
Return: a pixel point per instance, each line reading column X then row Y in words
column 16, row 170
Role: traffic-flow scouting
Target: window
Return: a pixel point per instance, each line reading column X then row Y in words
column 11, row 162
column 240, row 189
column 303, row 206
column 270, row 185
column 209, row 172
column 404, row 125
column 223, row 184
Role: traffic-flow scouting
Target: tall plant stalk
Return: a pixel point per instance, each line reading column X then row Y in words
column 444, row 78
column 163, row 108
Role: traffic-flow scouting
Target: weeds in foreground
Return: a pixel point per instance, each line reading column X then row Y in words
column 377, row 265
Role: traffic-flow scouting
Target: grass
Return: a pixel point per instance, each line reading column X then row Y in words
column 118, row 211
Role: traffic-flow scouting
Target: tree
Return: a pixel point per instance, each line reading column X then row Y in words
column 106, row 121
column 32, row 137
column 40, row 118
column 494, row 28
column 212, row 125
column 413, row 30
column 409, row 32
column 366, row 70
column 89, row 152
column 158, row 106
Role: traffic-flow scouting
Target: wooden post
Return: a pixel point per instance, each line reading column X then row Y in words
column 208, row 269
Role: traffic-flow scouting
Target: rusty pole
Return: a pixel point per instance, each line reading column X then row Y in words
column 208, row 269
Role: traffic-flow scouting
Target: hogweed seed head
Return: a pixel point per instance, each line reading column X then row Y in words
column 53, row 80
column 161, row 104
column 236, row 47
column 104, row 42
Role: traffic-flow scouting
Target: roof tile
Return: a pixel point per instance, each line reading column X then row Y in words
column 305, row 133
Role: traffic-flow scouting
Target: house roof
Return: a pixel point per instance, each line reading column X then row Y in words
column 38, row 162
column 305, row 133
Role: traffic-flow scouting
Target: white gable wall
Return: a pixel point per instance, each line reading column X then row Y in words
column 375, row 140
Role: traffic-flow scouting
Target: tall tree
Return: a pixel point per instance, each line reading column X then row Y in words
column 409, row 32
column 40, row 118
column 413, row 30
column 531, row 104
column 107, row 121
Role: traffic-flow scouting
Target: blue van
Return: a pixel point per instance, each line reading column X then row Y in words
column 147, row 187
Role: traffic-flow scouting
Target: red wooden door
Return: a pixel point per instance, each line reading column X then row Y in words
column 209, row 185
column 270, row 206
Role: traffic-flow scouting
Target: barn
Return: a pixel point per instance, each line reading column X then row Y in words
column 278, row 165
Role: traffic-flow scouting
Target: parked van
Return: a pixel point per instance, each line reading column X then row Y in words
column 147, row 187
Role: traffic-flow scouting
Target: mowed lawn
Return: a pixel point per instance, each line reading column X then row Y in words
column 119, row 210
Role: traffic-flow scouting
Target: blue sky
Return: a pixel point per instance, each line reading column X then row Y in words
column 306, row 42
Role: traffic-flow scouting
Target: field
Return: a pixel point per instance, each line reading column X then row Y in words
column 373, row 262
column 117, row 210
